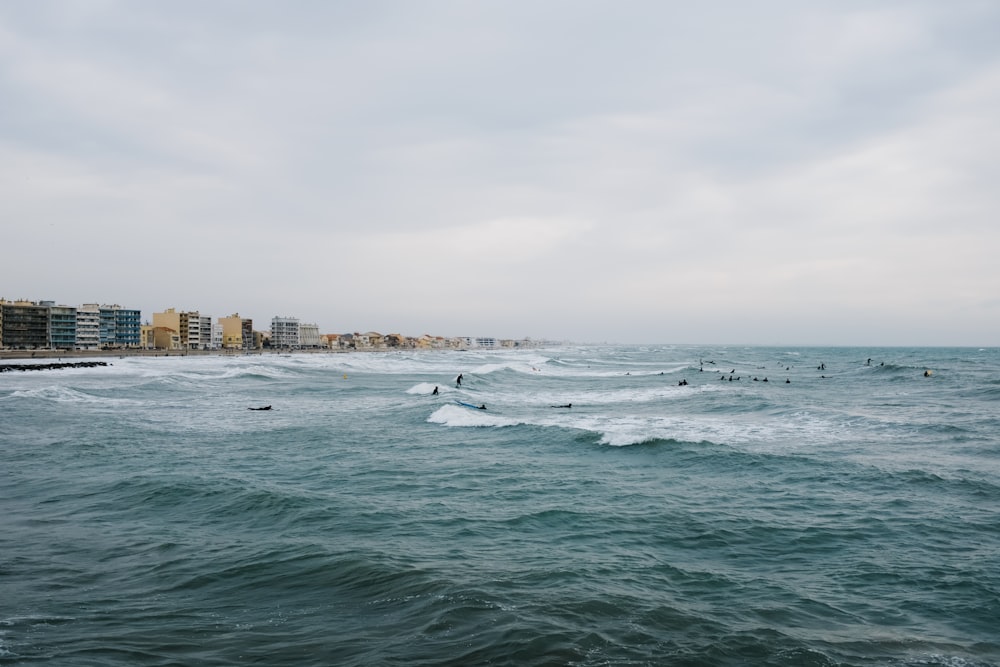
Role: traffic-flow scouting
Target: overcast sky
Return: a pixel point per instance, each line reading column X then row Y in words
column 641, row 172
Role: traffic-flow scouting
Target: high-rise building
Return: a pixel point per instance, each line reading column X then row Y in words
column 285, row 332
column 62, row 327
column 119, row 327
column 88, row 327
column 25, row 325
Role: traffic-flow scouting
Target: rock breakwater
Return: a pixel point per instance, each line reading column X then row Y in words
column 51, row 366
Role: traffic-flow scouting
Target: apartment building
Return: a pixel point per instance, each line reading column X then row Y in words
column 237, row 332
column 309, row 335
column 193, row 328
column 45, row 325
column 62, row 327
column 120, row 327
column 88, row 327
column 285, row 332
column 25, row 325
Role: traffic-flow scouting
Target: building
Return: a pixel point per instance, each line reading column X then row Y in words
column 237, row 332
column 120, row 327
column 44, row 325
column 25, row 326
column 194, row 329
column 62, row 327
column 309, row 336
column 88, row 327
column 284, row 332
column 160, row 338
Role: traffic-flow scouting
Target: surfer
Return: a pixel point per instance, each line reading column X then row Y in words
column 568, row 405
column 482, row 407
column 435, row 392
column 458, row 380
column 266, row 407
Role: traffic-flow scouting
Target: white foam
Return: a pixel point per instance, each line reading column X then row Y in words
column 427, row 388
column 457, row 415
column 67, row 395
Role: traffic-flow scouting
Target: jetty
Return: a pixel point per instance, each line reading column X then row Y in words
column 51, row 366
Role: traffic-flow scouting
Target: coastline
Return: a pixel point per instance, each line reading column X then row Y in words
column 29, row 355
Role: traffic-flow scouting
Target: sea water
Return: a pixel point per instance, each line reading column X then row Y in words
column 694, row 506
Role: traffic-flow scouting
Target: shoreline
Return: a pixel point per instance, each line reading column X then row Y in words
column 42, row 355
column 29, row 355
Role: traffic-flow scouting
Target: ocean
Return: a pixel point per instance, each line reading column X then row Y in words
column 816, row 509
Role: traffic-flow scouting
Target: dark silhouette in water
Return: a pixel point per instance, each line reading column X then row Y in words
column 51, row 366
column 266, row 407
column 568, row 405
column 435, row 392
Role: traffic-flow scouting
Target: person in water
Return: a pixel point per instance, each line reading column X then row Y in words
column 266, row 407
column 435, row 392
column 482, row 407
column 458, row 380
column 568, row 405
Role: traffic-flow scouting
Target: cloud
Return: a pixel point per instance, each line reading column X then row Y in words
column 455, row 167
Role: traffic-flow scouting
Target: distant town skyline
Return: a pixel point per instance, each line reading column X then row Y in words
column 48, row 324
column 658, row 172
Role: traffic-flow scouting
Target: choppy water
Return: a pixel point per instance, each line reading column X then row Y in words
column 148, row 518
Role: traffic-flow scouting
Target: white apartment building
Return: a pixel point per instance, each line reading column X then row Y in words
column 88, row 327
column 199, row 331
column 285, row 332
column 216, row 336
column 309, row 335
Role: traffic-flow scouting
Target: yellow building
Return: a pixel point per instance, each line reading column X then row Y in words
column 194, row 329
column 234, row 332
column 160, row 338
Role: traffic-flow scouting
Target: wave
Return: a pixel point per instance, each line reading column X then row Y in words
column 787, row 433
column 62, row 394
column 459, row 416
column 427, row 389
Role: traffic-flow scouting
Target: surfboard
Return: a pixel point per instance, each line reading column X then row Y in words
column 468, row 405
